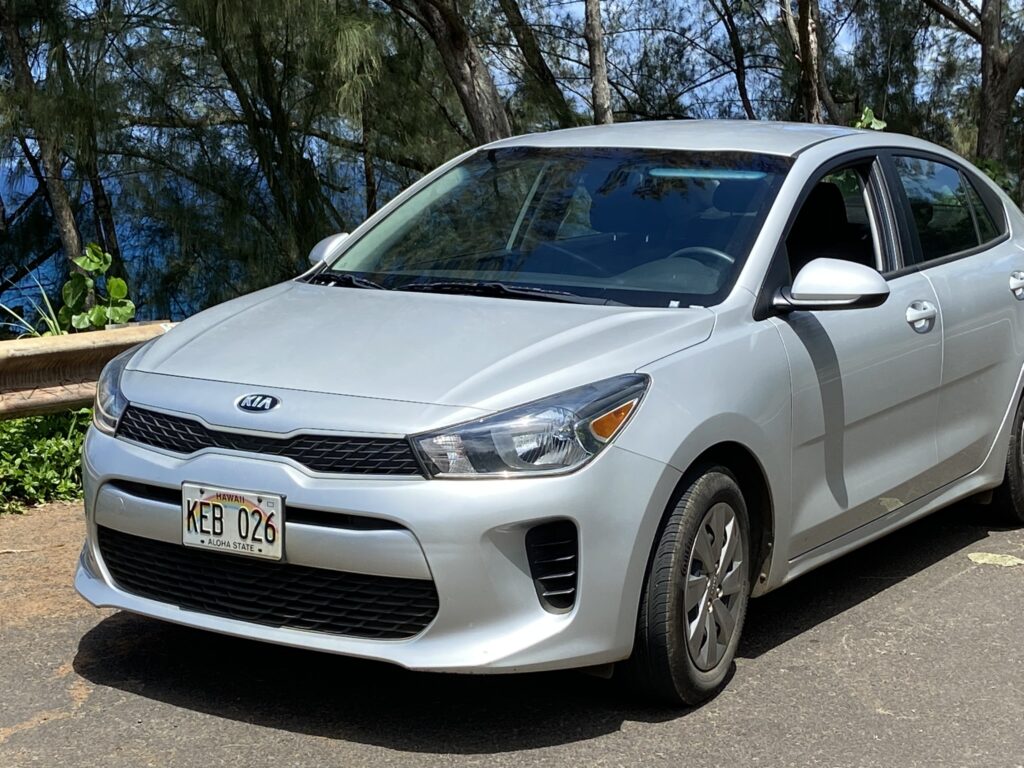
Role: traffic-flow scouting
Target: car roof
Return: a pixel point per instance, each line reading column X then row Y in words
column 774, row 138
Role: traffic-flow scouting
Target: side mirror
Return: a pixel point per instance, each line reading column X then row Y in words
column 327, row 248
column 833, row 284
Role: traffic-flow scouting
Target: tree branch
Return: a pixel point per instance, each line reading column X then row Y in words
column 536, row 65
column 957, row 19
column 24, row 270
column 228, row 192
column 40, row 190
column 214, row 120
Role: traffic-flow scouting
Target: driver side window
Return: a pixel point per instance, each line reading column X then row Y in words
column 835, row 222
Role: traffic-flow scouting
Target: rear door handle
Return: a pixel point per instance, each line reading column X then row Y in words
column 921, row 315
column 1017, row 285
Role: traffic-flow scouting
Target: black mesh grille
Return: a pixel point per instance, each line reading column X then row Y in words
column 266, row 592
column 321, row 453
column 553, row 552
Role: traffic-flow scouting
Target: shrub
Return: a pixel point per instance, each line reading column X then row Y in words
column 85, row 307
column 40, row 459
column 115, row 307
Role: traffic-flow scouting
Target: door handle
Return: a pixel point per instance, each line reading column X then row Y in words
column 921, row 315
column 1017, row 285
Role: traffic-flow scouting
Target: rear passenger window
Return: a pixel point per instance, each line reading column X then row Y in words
column 987, row 228
column 940, row 207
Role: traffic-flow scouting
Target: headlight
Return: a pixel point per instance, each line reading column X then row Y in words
column 557, row 434
column 110, row 403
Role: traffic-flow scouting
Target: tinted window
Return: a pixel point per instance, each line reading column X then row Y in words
column 987, row 228
column 641, row 227
column 939, row 205
column 834, row 222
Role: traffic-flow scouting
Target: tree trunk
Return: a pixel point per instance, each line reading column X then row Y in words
column 296, row 177
column 291, row 178
column 999, row 84
column 465, row 66
column 537, row 65
column 810, row 104
column 593, row 33
column 997, row 99
column 370, row 181
column 739, row 54
column 1018, row 196
column 369, row 172
column 1002, row 72
column 835, row 114
column 106, row 230
column 805, row 35
column 49, row 152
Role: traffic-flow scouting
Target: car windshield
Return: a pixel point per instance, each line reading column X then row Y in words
column 629, row 226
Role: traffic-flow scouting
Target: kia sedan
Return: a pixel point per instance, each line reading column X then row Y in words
column 570, row 401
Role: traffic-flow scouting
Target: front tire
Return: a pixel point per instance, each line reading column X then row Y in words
column 696, row 593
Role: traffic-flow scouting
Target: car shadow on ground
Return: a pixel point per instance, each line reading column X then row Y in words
column 382, row 705
column 351, row 699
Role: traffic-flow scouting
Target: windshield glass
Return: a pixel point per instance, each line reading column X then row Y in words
column 632, row 226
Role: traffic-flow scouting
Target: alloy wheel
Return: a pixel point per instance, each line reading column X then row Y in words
column 711, row 587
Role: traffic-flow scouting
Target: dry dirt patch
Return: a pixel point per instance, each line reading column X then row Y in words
column 38, row 553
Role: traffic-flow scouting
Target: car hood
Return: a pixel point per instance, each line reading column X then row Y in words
column 467, row 351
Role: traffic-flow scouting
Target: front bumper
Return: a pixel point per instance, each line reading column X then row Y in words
column 468, row 536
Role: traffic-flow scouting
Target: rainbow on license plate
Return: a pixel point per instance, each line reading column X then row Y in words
column 239, row 522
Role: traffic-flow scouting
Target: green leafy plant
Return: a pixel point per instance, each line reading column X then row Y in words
column 867, row 120
column 47, row 321
column 85, row 307
column 40, row 459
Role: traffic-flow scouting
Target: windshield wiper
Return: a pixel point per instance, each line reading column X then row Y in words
column 495, row 288
column 469, row 287
column 347, row 279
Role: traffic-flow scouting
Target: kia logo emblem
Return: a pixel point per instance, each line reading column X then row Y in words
column 258, row 403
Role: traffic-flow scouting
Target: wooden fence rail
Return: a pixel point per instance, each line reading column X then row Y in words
column 58, row 373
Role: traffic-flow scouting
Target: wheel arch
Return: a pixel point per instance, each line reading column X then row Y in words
column 753, row 482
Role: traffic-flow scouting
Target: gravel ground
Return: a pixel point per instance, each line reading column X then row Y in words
column 906, row 653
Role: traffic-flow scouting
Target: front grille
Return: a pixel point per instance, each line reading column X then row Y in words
column 320, row 453
column 271, row 593
column 553, row 551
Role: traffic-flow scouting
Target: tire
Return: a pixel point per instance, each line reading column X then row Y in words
column 1009, row 497
column 674, row 661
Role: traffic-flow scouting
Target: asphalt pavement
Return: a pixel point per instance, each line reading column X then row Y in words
column 906, row 653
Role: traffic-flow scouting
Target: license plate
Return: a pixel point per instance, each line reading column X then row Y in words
column 239, row 522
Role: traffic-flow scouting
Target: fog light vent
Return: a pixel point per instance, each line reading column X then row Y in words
column 553, row 552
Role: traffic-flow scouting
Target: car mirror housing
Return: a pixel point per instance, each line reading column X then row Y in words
column 327, row 248
column 828, row 284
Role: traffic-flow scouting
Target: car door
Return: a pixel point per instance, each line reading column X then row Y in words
column 865, row 381
column 958, row 238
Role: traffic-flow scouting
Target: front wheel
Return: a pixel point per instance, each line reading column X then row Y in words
column 696, row 594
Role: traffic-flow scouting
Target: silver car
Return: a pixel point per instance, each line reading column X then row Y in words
column 571, row 400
